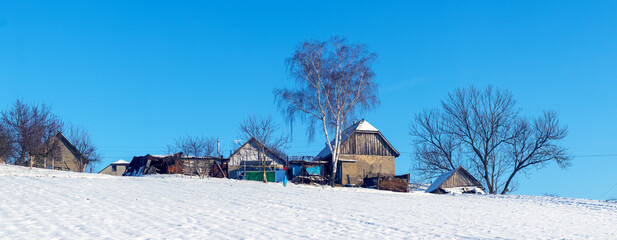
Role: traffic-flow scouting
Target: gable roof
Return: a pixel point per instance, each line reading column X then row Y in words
column 66, row 143
column 441, row 179
column 360, row 126
column 253, row 139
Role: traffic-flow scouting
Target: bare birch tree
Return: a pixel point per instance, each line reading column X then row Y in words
column 482, row 130
column 334, row 81
column 80, row 138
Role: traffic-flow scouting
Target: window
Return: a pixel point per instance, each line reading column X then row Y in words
column 113, row 168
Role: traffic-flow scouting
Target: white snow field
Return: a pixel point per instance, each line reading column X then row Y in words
column 46, row 204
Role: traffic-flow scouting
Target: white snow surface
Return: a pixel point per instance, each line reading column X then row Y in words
column 48, row 204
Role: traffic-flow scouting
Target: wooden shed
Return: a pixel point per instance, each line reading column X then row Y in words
column 456, row 181
column 365, row 153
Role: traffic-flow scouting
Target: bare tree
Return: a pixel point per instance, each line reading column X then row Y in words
column 6, row 143
column 31, row 126
column 334, row 81
column 80, row 138
column 534, row 145
column 264, row 129
column 193, row 146
column 484, row 131
column 435, row 151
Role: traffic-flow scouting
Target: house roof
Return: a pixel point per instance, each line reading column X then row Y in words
column 441, row 179
column 360, row 126
column 121, row 161
column 253, row 139
column 68, row 144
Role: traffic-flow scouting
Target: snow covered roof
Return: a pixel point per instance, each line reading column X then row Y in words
column 121, row 161
column 360, row 126
column 441, row 179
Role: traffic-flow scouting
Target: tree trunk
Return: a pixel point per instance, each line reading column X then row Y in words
column 505, row 188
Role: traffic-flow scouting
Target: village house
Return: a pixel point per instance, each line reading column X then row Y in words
column 364, row 153
column 116, row 168
column 252, row 157
column 62, row 155
column 456, row 181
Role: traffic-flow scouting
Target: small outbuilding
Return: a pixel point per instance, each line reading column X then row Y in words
column 116, row 168
column 456, row 181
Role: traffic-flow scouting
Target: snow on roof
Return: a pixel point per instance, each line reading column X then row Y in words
column 442, row 178
column 365, row 126
column 362, row 125
column 121, row 161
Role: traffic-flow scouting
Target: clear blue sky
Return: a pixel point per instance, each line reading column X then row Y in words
column 140, row 73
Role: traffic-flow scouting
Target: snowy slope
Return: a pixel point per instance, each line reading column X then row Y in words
column 44, row 204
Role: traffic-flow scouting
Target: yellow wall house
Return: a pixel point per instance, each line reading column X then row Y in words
column 365, row 153
column 62, row 155
column 116, row 168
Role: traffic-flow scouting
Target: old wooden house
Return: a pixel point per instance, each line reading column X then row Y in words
column 364, row 153
column 61, row 155
column 116, row 168
column 456, row 181
column 254, row 156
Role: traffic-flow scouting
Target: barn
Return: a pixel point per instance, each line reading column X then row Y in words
column 365, row 153
column 456, row 181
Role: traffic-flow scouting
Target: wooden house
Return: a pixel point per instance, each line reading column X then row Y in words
column 456, row 181
column 61, row 155
column 364, row 153
column 116, row 168
column 254, row 156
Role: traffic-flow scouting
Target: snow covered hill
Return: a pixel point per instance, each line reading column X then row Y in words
column 44, row 204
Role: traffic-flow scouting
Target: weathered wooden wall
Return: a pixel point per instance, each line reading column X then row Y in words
column 458, row 179
column 252, row 152
column 363, row 143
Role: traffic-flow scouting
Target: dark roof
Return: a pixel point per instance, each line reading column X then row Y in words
column 360, row 126
column 259, row 144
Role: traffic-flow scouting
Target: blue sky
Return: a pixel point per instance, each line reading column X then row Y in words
column 138, row 74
